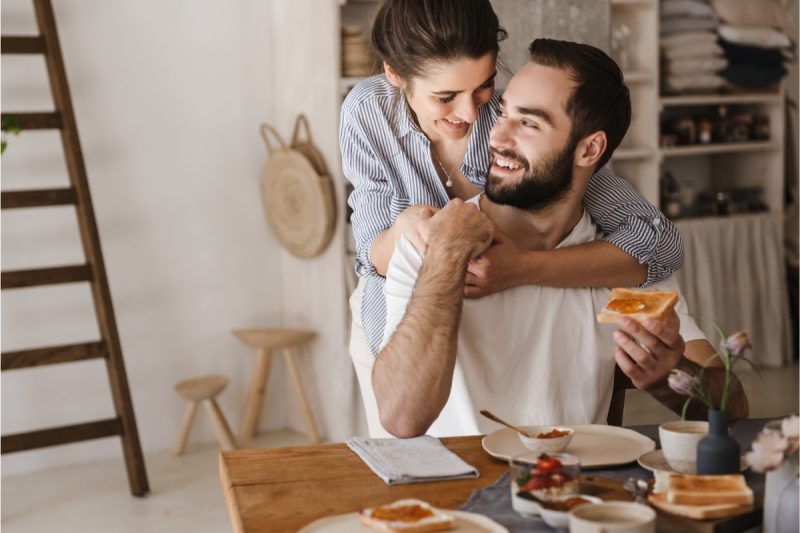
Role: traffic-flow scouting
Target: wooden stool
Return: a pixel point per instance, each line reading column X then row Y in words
column 265, row 341
column 204, row 389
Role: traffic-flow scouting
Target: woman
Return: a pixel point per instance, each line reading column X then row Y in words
column 418, row 135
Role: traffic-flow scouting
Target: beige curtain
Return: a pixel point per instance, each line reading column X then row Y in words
column 734, row 274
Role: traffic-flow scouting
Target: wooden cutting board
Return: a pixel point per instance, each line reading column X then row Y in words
column 717, row 520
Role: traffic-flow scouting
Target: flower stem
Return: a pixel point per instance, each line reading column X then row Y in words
column 723, row 403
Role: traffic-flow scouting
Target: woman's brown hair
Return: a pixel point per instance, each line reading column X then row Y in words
column 408, row 34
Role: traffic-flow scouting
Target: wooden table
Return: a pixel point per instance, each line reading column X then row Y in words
column 283, row 489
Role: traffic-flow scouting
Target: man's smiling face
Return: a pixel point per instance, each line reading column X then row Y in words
column 531, row 148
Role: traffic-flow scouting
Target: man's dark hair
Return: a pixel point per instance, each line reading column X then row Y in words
column 407, row 34
column 600, row 100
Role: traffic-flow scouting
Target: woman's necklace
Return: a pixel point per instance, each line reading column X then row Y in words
column 448, row 175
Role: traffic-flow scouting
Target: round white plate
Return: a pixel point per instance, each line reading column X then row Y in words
column 596, row 445
column 349, row 523
column 655, row 460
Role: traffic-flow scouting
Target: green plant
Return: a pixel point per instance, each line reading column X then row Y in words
column 10, row 125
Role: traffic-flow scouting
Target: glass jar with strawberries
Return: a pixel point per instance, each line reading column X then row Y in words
column 541, row 477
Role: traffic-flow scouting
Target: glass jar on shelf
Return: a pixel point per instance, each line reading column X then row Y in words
column 761, row 127
column 685, row 129
column 723, row 130
column 670, row 195
column 704, row 130
column 743, row 127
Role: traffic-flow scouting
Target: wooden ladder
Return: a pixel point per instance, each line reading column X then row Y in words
column 93, row 271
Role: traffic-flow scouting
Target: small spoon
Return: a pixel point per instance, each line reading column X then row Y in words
column 490, row 416
column 637, row 488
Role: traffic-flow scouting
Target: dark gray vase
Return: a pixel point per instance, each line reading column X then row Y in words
column 717, row 452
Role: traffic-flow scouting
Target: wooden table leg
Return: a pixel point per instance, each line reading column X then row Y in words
column 255, row 398
column 186, row 425
column 301, row 395
column 220, row 425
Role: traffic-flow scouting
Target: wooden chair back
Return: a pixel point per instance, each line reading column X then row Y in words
column 621, row 384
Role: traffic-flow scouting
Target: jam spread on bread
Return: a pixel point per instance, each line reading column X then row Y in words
column 636, row 304
column 403, row 513
column 625, row 306
column 566, row 505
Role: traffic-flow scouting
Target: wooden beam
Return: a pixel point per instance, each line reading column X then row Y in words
column 36, row 121
column 16, row 279
column 51, row 355
column 38, row 198
column 61, row 435
column 22, row 45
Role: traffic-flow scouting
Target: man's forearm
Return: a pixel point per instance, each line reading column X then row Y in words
column 413, row 373
column 714, row 379
column 592, row 264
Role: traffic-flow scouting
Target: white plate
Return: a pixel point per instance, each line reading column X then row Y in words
column 655, row 461
column 596, row 445
column 349, row 523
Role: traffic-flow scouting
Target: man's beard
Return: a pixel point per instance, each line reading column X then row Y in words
column 541, row 185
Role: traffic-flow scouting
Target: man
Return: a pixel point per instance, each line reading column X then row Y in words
column 534, row 355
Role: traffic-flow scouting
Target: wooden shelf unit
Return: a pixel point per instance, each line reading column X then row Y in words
column 641, row 160
column 624, row 154
column 637, row 159
column 639, row 76
column 718, row 148
column 634, row 3
column 770, row 98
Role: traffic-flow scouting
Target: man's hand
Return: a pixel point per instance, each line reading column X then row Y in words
column 413, row 373
column 647, row 352
column 495, row 270
column 459, row 227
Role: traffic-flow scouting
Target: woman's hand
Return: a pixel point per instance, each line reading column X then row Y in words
column 499, row 268
column 647, row 352
column 414, row 224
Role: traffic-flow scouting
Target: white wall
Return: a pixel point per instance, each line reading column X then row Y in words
column 306, row 60
column 168, row 98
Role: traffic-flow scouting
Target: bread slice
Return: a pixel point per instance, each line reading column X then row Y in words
column 698, row 512
column 637, row 304
column 709, row 490
column 407, row 516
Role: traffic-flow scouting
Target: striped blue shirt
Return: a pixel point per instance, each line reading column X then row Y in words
column 386, row 157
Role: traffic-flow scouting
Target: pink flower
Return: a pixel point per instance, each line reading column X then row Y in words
column 736, row 344
column 790, row 427
column 680, row 381
column 768, row 452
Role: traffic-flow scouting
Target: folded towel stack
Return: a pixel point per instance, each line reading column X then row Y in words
column 691, row 57
column 753, row 41
column 414, row 460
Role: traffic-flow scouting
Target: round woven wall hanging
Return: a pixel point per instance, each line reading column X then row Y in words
column 298, row 199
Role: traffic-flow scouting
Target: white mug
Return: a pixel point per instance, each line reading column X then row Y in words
column 612, row 517
column 679, row 441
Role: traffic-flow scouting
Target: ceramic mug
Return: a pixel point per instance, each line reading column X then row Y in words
column 612, row 517
column 679, row 442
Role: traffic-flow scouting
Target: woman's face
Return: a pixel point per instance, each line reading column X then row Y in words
column 446, row 98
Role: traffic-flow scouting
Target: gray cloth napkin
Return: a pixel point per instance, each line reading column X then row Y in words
column 411, row 460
